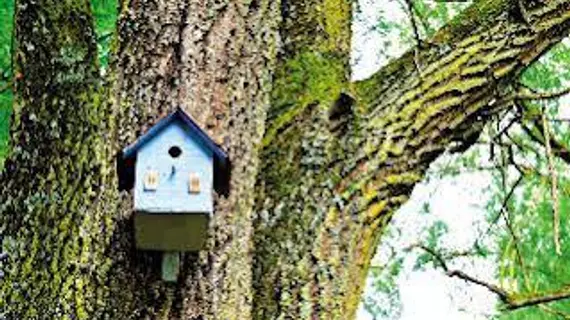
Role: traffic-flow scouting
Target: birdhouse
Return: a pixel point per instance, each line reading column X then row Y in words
column 174, row 169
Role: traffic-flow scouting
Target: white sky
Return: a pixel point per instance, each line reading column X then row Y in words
column 457, row 201
column 366, row 44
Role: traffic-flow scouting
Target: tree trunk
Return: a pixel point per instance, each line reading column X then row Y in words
column 318, row 164
column 55, row 189
column 214, row 59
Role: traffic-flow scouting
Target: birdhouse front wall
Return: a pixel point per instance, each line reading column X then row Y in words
column 174, row 173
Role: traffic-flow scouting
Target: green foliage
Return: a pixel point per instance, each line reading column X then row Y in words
column 432, row 240
column 105, row 13
column 432, row 15
column 396, row 30
column 528, row 264
column 551, row 71
column 6, row 23
column 531, row 212
column 387, row 304
column 5, row 111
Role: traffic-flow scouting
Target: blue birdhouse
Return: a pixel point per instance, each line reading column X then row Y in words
column 174, row 169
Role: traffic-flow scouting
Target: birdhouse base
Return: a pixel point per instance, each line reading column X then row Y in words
column 171, row 232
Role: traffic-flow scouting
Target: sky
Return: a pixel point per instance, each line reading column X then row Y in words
column 458, row 201
column 367, row 44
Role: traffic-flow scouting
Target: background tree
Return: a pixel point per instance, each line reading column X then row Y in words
column 318, row 163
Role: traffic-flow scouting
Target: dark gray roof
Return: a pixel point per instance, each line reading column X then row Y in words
column 179, row 114
column 127, row 157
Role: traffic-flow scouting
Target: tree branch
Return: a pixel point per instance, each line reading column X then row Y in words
column 536, row 134
column 553, row 186
column 527, row 95
column 503, row 205
column 512, row 301
column 545, row 297
column 515, row 238
column 410, row 8
column 403, row 122
column 407, row 122
column 422, row 19
column 503, row 295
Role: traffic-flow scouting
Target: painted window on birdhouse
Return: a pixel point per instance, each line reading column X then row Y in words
column 151, row 180
column 193, row 183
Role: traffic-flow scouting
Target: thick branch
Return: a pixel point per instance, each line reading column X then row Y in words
column 409, row 122
column 401, row 123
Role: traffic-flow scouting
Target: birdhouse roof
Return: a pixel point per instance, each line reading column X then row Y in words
column 127, row 157
column 178, row 114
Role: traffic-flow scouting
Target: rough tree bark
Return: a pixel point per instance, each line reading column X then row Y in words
column 318, row 163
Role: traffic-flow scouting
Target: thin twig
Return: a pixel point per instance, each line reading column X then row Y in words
column 553, row 185
column 422, row 20
column 525, row 95
column 503, row 206
column 555, row 312
column 557, row 147
column 498, row 216
column 503, row 295
column 506, row 128
column 520, row 259
column 536, row 133
column 511, row 301
column 410, row 8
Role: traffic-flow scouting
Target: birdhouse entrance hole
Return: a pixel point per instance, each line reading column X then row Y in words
column 175, row 151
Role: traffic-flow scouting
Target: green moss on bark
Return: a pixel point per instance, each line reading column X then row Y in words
column 56, row 186
column 305, row 79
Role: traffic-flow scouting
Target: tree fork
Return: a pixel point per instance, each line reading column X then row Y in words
column 412, row 121
column 371, row 170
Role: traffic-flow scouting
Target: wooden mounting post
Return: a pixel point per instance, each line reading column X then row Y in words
column 170, row 266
